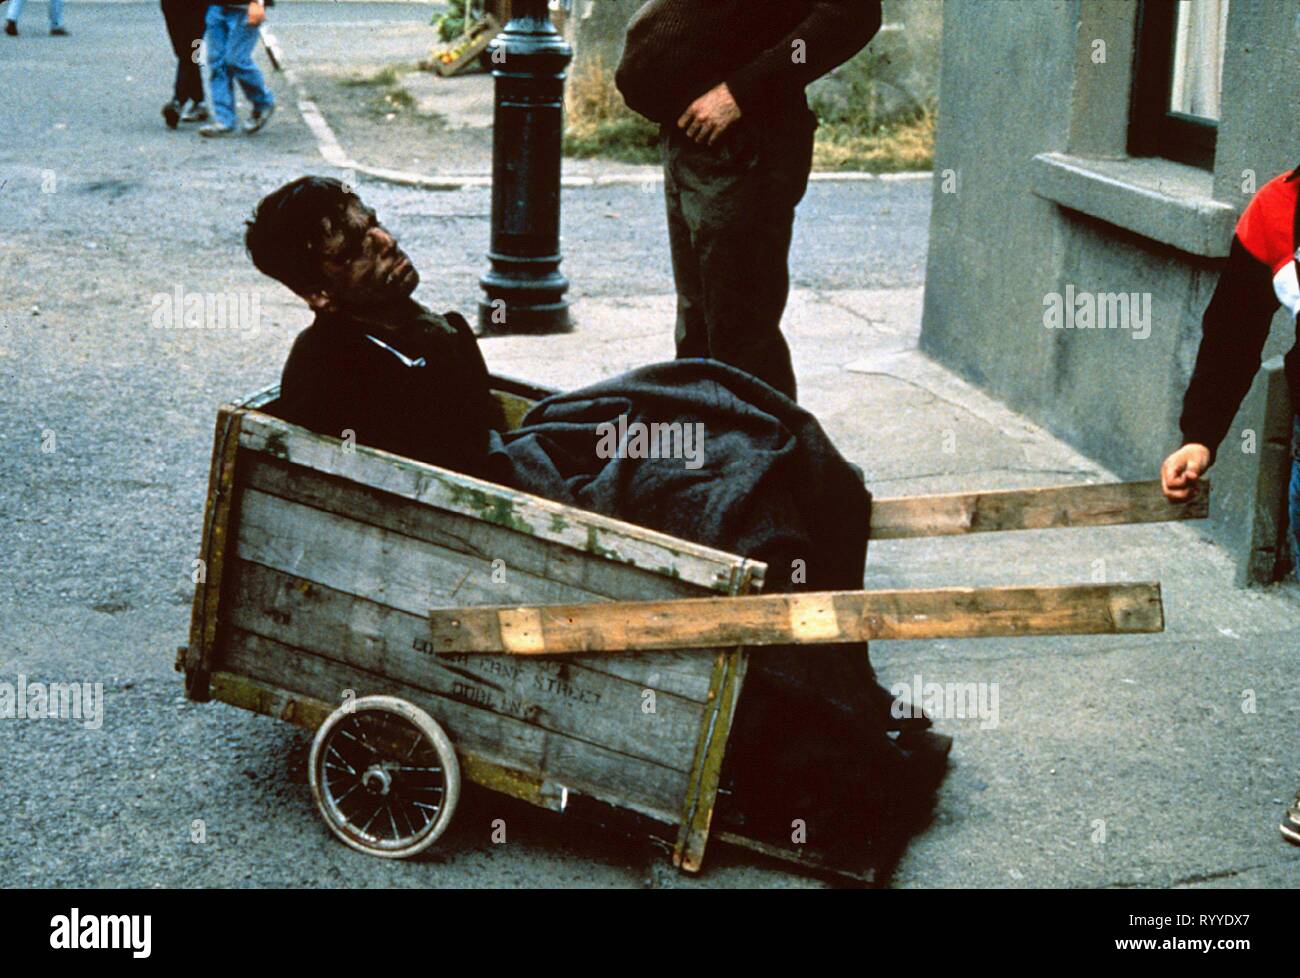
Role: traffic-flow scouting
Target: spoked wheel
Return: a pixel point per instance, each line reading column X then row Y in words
column 384, row 776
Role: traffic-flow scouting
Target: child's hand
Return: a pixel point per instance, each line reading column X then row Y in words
column 1180, row 471
column 256, row 13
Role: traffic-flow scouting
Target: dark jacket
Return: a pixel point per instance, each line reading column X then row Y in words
column 424, row 394
column 1259, row 276
column 766, row 51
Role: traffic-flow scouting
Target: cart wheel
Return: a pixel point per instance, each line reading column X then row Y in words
column 384, row 776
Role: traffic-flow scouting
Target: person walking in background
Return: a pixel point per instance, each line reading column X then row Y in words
column 185, row 28
column 725, row 80
column 56, row 18
column 231, row 36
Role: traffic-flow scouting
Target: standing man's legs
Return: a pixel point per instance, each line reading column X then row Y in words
column 185, row 29
column 692, row 329
column 56, row 15
column 15, row 11
column 731, row 214
column 239, row 58
column 220, row 78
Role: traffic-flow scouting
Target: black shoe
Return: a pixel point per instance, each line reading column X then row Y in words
column 11, row 28
column 259, row 118
column 171, row 113
column 195, row 112
column 58, row 32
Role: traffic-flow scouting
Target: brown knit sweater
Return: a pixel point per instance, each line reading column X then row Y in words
column 765, row 50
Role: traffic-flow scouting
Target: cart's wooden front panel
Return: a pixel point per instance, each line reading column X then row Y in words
column 330, row 579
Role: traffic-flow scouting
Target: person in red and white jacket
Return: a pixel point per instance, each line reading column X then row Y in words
column 1259, row 276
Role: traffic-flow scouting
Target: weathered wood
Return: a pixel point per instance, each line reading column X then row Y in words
column 591, row 768
column 309, row 714
column 1107, row 504
column 561, row 697
column 821, row 618
column 711, row 747
column 410, row 573
column 485, row 553
column 205, row 613
column 591, row 533
column 706, row 770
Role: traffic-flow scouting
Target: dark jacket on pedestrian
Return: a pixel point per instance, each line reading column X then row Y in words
column 419, row 389
column 766, row 51
column 1260, row 276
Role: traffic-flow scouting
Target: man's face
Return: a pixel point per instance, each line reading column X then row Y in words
column 362, row 262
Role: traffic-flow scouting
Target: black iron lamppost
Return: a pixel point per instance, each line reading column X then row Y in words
column 524, row 287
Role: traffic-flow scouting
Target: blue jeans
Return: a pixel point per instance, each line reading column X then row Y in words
column 230, row 43
column 56, row 11
column 1294, row 496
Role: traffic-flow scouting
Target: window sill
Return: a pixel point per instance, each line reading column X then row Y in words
column 1156, row 198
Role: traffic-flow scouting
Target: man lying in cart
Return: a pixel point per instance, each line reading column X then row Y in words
column 815, row 738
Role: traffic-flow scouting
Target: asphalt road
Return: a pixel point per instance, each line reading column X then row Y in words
column 105, row 428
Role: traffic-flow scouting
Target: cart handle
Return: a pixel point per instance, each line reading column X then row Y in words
column 817, row 618
column 1107, row 504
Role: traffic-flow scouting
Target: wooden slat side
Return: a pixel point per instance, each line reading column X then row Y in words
column 560, row 697
column 821, row 618
column 411, row 575
column 589, row 532
column 1108, row 504
column 309, row 714
column 590, row 768
column 219, row 512
column 711, row 749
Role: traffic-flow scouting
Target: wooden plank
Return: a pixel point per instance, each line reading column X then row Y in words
column 410, row 574
column 593, row 769
column 309, row 714
column 710, row 751
column 205, row 614
column 591, row 533
column 821, row 618
column 955, row 513
column 559, row 696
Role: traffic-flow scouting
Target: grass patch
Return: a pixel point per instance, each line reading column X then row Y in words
column 599, row 124
column 890, row 147
column 853, row 134
column 383, row 78
column 395, row 101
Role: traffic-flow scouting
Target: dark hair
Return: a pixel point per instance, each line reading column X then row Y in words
column 285, row 235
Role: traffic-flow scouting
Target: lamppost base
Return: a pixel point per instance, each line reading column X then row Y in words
column 497, row 320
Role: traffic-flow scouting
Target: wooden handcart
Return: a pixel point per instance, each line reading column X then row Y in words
column 429, row 627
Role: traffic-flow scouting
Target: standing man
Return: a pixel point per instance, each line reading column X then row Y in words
column 726, row 81
column 232, row 35
column 185, row 28
column 1260, row 275
column 56, row 18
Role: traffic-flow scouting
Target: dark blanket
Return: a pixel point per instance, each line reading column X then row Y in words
column 809, row 740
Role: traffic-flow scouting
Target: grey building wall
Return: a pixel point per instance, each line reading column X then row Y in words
column 1034, row 195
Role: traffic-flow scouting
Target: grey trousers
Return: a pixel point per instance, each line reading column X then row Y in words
column 730, row 219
